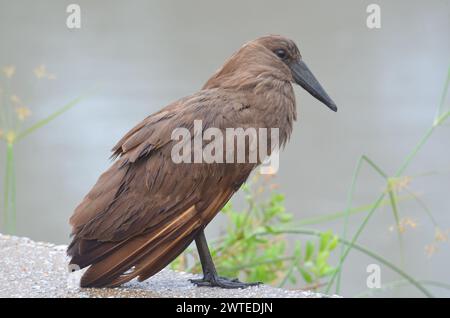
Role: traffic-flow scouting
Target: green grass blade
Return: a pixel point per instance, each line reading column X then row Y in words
column 375, row 166
column 9, row 191
column 369, row 253
column 414, row 152
column 399, row 172
column 48, row 119
column 13, row 190
column 294, row 264
column 393, row 199
column 441, row 120
column 400, row 283
column 6, row 194
column 338, row 215
column 355, row 238
column 439, row 115
column 249, row 265
column 351, row 194
column 424, row 206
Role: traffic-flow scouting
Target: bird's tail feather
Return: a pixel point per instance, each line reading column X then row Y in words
column 159, row 257
column 143, row 255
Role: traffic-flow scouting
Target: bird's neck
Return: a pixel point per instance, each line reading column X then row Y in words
column 276, row 101
column 265, row 84
column 271, row 97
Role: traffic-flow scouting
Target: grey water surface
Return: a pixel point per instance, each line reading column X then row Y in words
column 141, row 55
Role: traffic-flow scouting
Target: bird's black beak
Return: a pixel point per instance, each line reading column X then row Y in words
column 305, row 78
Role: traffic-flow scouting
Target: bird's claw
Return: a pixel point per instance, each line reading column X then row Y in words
column 222, row 282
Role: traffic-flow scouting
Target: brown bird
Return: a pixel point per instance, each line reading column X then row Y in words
column 146, row 209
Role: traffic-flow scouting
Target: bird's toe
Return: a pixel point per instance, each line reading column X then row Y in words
column 223, row 282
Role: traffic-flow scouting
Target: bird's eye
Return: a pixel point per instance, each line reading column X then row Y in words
column 281, row 53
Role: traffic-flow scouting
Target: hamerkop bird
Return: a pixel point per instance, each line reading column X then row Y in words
column 146, row 209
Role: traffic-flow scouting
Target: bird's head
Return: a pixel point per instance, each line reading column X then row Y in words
column 269, row 57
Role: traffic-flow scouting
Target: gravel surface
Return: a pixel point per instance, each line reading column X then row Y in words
column 37, row 269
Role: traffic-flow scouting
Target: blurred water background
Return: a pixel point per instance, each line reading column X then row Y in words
column 141, row 55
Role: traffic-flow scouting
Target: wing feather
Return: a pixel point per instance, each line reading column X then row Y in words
column 146, row 209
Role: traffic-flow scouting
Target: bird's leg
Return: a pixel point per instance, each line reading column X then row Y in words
column 210, row 276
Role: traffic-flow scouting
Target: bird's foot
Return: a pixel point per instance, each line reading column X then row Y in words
column 222, row 282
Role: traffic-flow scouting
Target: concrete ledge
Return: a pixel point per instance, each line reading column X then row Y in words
column 37, row 269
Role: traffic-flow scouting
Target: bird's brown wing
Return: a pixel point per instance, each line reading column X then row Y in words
column 145, row 210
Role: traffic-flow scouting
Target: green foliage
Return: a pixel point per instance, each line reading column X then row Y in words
column 253, row 248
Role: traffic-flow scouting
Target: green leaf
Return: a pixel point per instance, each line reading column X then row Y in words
column 329, row 270
column 298, row 251
column 324, row 239
column 334, row 242
column 309, row 251
column 277, row 198
column 285, row 217
column 322, row 258
column 306, row 276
